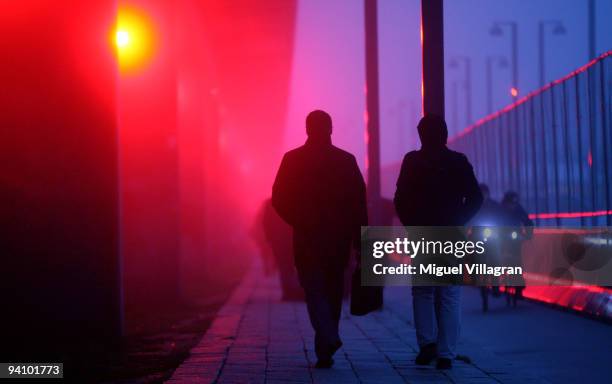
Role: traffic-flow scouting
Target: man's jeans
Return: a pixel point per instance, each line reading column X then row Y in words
column 437, row 313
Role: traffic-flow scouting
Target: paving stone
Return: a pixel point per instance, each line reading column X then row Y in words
column 256, row 338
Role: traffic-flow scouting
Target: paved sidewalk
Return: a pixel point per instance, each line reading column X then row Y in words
column 256, row 338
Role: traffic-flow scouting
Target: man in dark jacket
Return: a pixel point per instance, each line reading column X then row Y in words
column 520, row 226
column 491, row 213
column 320, row 192
column 436, row 187
column 489, row 217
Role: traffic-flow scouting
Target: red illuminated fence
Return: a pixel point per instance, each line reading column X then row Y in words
column 589, row 300
column 553, row 147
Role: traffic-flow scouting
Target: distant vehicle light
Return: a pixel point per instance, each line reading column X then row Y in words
column 487, row 232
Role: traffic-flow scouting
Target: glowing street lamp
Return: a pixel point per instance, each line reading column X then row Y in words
column 134, row 39
column 122, row 39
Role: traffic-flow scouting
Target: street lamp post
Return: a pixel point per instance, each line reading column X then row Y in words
column 467, row 65
column 432, row 47
column 455, row 97
column 497, row 30
column 592, row 28
column 372, row 109
column 502, row 62
column 558, row 29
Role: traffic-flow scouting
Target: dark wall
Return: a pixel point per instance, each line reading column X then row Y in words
column 160, row 166
column 58, row 150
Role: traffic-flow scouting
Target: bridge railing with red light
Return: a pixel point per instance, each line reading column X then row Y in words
column 553, row 147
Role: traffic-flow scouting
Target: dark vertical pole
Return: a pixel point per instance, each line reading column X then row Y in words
column 487, row 149
column 579, row 144
column 515, row 78
column 526, row 155
column 482, row 160
column 592, row 154
column 555, row 163
column 542, row 145
column 606, row 151
column 532, row 136
column 592, row 30
column 566, row 140
column 432, row 42
column 541, row 55
column 506, row 150
column 475, row 152
column 541, row 52
column 468, row 91
column 499, row 156
column 489, row 76
column 372, row 106
column 455, row 101
column 517, row 155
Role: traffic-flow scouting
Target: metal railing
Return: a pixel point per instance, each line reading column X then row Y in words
column 553, row 147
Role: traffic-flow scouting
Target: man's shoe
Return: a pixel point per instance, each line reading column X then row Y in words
column 465, row 358
column 427, row 354
column 444, row 363
column 336, row 347
column 324, row 363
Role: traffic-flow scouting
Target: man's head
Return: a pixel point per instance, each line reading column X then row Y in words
column 318, row 124
column 511, row 199
column 432, row 131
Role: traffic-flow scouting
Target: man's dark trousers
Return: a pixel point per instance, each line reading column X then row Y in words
column 321, row 274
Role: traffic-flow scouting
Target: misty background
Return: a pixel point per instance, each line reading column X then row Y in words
column 328, row 70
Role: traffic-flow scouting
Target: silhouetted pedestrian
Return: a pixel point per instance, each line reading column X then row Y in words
column 491, row 213
column 320, row 192
column 273, row 237
column 436, row 187
column 259, row 234
column 515, row 214
column 520, row 227
column 486, row 226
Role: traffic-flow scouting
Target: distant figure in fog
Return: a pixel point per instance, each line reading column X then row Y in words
column 491, row 212
column 436, row 187
column 278, row 235
column 259, row 236
column 490, row 215
column 273, row 236
column 515, row 213
column 320, row 192
column 520, row 225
